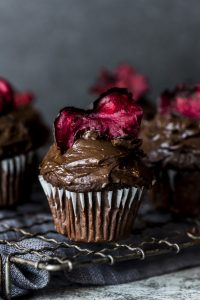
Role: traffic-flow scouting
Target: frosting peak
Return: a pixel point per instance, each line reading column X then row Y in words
column 173, row 140
column 93, row 164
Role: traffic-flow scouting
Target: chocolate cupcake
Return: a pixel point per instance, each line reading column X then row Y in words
column 93, row 175
column 172, row 142
column 125, row 76
column 21, row 133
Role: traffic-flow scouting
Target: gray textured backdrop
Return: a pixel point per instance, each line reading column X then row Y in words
column 55, row 47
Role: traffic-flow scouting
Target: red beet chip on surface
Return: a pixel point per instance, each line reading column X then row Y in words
column 124, row 76
column 115, row 115
column 6, row 96
column 183, row 100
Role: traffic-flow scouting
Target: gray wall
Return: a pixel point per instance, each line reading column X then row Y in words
column 55, row 47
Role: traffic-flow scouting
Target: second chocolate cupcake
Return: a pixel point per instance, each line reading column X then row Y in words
column 93, row 175
column 22, row 132
column 172, row 142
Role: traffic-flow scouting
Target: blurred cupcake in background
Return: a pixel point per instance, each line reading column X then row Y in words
column 21, row 133
column 172, row 142
column 125, row 76
column 93, row 175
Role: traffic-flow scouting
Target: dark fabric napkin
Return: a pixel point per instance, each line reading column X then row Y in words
column 24, row 279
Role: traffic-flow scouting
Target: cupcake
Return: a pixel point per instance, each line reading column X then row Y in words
column 125, row 76
column 21, row 133
column 172, row 142
column 93, row 175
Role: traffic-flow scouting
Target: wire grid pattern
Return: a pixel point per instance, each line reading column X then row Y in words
column 83, row 255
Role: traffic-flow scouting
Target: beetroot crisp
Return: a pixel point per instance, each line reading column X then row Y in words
column 115, row 114
column 10, row 99
column 183, row 100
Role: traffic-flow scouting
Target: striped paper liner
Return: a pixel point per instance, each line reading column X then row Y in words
column 93, row 216
column 14, row 177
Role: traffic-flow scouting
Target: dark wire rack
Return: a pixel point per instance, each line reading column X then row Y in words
column 83, row 255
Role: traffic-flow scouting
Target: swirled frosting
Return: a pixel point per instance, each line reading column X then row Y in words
column 173, row 140
column 94, row 164
column 21, row 127
column 21, row 130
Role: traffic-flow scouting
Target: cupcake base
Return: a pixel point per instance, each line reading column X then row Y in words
column 15, row 179
column 177, row 192
column 93, row 216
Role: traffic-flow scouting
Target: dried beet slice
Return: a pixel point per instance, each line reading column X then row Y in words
column 114, row 115
column 11, row 99
column 183, row 100
column 23, row 98
column 124, row 76
column 6, row 96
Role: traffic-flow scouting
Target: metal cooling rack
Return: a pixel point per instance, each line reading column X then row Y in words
column 83, row 255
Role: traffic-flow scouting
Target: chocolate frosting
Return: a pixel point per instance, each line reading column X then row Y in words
column 93, row 164
column 21, row 130
column 173, row 141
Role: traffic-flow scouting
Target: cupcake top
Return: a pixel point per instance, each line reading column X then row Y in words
column 21, row 127
column 98, row 148
column 173, row 136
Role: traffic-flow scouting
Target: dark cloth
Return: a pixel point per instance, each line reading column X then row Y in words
column 26, row 278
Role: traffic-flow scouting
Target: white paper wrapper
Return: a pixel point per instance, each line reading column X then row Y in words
column 14, row 175
column 93, row 216
column 171, row 176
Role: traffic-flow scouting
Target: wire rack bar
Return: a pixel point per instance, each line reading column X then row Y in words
column 83, row 256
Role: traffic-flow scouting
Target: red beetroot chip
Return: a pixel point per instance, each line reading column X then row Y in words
column 23, row 98
column 183, row 100
column 11, row 99
column 114, row 115
column 124, row 76
column 6, row 96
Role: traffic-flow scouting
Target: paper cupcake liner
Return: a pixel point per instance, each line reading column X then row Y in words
column 171, row 175
column 93, row 216
column 14, row 175
column 185, row 192
column 177, row 191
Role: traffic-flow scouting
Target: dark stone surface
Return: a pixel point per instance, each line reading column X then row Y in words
column 180, row 286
